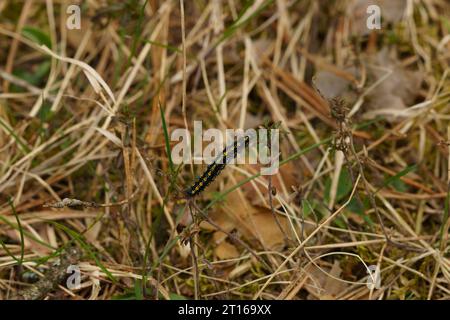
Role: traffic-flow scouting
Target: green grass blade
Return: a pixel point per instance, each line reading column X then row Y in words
column 85, row 246
column 397, row 177
column 238, row 23
column 19, row 225
column 20, row 143
column 26, row 233
column 166, row 139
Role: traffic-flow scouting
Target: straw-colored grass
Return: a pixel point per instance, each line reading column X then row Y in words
column 364, row 173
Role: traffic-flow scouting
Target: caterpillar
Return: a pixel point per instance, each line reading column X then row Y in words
column 214, row 169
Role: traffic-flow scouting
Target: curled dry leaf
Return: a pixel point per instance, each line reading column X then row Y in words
column 396, row 92
column 251, row 222
column 396, row 87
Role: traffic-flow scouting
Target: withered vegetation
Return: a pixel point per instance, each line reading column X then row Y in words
column 86, row 178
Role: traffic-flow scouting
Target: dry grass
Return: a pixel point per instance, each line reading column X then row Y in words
column 364, row 177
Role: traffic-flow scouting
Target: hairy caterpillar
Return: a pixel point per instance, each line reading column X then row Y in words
column 214, row 169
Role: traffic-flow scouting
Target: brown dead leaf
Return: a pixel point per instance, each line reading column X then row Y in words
column 333, row 286
column 219, row 218
column 262, row 225
column 289, row 175
column 252, row 222
column 321, row 285
column 331, row 85
column 219, row 237
column 388, row 98
column 226, row 250
column 396, row 92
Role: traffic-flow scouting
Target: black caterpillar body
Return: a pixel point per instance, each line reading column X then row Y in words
column 214, row 169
